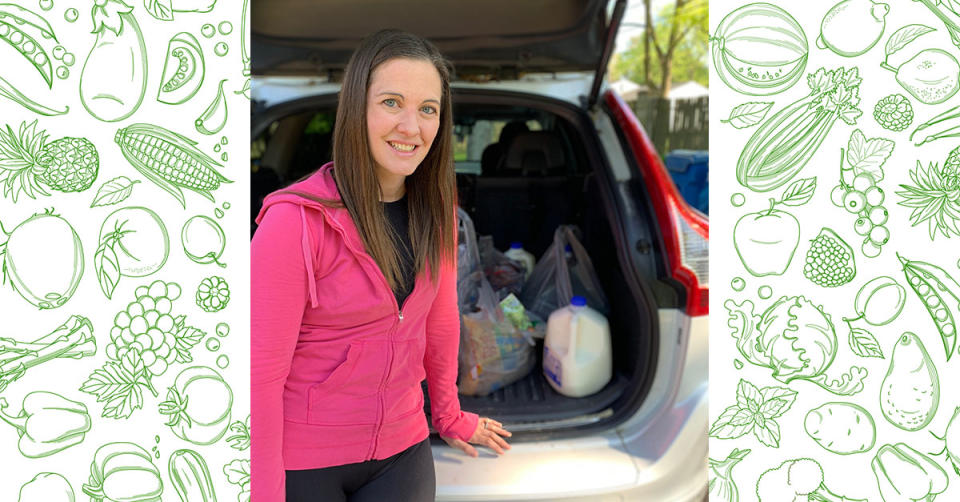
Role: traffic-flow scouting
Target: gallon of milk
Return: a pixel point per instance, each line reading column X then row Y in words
column 577, row 358
column 516, row 252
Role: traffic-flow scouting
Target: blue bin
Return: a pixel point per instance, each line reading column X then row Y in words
column 690, row 170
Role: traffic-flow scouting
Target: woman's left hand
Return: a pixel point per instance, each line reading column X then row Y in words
column 488, row 433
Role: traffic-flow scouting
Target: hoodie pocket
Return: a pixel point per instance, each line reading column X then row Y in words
column 347, row 396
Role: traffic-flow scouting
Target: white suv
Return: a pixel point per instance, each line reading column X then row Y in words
column 540, row 142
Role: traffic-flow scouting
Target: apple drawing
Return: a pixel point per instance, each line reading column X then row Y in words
column 766, row 240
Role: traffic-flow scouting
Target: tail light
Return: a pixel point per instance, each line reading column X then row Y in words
column 686, row 231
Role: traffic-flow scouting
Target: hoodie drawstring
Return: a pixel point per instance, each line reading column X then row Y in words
column 308, row 258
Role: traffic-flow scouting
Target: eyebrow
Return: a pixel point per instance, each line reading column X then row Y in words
column 401, row 96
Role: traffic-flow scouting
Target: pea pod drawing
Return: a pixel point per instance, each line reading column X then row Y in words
column 114, row 77
column 940, row 295
column 15, row 25
column 49, row 423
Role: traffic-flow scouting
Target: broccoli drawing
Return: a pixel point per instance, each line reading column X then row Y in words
column 798, row 480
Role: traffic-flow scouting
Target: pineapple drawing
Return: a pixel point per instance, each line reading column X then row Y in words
column 935, row 196
column 28, row 162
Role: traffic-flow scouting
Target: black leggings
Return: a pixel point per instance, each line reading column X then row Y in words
column 407, row 476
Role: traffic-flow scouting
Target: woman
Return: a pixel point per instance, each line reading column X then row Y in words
column 336, row 362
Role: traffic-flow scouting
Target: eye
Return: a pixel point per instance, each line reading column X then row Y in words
column 429, row 110
column 391, row 102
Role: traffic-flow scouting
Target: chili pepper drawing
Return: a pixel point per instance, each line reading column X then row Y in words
column 49, row 423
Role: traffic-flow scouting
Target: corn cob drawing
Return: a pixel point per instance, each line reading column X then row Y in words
column 170, row 160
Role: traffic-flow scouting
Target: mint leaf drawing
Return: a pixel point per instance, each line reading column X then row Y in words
column 114, row 191
column 799, row 192
column 748, row 114
column 755, row 412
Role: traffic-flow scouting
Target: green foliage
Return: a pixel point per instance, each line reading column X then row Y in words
column 681, row 45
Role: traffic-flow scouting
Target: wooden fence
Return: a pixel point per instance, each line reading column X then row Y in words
column 684, row 125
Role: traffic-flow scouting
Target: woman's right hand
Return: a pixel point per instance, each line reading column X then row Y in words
column 488, row 433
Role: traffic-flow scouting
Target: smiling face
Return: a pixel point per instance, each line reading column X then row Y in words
column 403, row 116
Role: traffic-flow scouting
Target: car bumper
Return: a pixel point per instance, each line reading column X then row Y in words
column 664, row 461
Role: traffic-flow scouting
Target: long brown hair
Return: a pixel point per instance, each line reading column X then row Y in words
column 431, row 189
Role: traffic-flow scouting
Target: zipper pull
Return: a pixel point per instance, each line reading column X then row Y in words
column 400, row 312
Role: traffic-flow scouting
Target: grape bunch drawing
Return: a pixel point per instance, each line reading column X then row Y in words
column 859, row 193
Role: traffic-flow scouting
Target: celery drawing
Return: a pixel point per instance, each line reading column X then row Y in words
column 905, row 474
column 28, row 161
column 214, row 118
column 759, row 49
column 114, row 77
column 852, row 27
column 191, row 477
column 203, row 240
column 170, row 160
column 933, row 196
column 42, row 257
column 133, row 243
column 114, row 191
column 213, row 294
column 73, row 339
column 46, row 487
column 798, row 479
column 48, row 423
column 754, row 412
column 940, row 295
column 783, row 145
column 910, row 392
column 183, row 70
column 766, row 241
column 793, row 337
column 123, row 471
column 841, row 428
column 198, row 406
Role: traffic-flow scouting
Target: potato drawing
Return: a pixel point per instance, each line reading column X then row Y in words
column 841, row 428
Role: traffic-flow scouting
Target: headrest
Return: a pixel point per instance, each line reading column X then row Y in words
column 535, row 141
column 511, row 130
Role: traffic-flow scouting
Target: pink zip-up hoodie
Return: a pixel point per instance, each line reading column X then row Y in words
column 335, row 364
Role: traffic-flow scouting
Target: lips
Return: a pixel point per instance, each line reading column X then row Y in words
column 402, row 147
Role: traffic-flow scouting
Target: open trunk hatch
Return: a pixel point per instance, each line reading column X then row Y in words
column 498, row 39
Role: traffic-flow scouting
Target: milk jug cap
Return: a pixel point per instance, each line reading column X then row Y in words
column 516, row 245
column 578, row 301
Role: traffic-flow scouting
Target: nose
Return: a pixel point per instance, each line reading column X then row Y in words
column 408, row 124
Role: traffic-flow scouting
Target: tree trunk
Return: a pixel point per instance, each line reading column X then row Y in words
column 647, row 36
